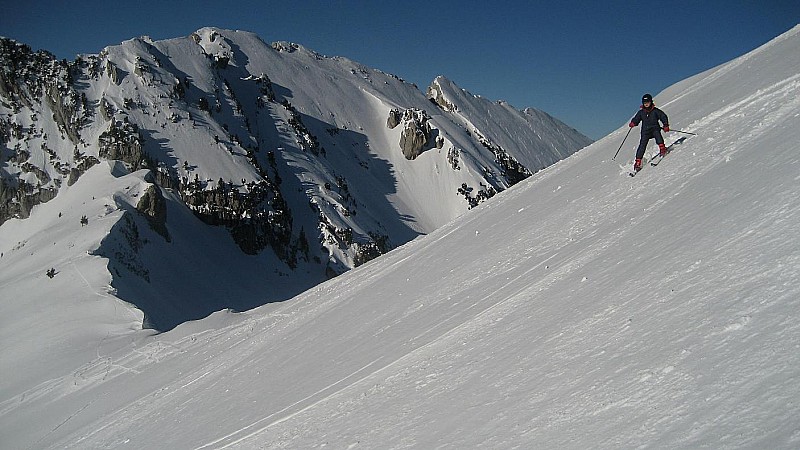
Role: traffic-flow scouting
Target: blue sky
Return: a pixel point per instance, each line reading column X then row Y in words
column 585, row 62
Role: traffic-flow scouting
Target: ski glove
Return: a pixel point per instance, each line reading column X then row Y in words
column 631, row 124
column 666, row 128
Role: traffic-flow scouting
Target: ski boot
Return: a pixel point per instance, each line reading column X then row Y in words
column 662, row 150
column 637, row 166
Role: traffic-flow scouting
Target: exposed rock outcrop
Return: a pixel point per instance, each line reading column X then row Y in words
column 122, row 141
column 436, row 95
column 394, row 119
column 153, row 207
column 417, row 131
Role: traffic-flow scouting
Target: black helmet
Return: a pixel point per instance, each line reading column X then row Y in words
column 647, row 98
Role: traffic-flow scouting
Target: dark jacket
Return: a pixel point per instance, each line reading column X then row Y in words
column 649, row 119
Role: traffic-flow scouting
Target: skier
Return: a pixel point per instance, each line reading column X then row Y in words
column 649, row 116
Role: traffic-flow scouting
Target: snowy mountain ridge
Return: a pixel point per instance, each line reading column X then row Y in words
column 581, row 308
column 288, row 150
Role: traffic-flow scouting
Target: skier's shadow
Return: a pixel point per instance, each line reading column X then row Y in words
column 678, row 142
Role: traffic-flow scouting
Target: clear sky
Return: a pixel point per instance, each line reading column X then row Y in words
column 586, row 62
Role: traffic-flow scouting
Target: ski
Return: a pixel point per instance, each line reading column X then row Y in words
column 656, row 158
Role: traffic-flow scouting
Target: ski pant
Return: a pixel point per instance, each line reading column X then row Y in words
column 654, row 133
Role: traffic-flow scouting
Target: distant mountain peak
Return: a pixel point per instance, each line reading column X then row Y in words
column 286, row 150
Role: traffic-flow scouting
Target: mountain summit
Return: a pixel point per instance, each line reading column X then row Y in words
column 310, row 165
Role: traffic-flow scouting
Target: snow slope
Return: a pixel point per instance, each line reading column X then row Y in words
column 580, row 309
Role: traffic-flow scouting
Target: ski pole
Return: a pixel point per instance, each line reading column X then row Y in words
column 620, row 145
column 684, row 132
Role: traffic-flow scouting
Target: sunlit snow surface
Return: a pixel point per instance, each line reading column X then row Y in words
column 580, row 309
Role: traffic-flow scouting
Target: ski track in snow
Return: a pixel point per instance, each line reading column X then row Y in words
column 313, row 400
column 442, row 339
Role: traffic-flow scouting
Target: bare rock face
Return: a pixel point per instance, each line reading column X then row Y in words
column 113, row 72
column 394, row 119
column 153, row 206
column 123, row 142
column 435, row 94
column 67, row 108
column 413, row 140
column 416, row 132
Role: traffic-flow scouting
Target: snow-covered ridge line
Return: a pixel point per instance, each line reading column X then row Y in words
column 285, row 148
